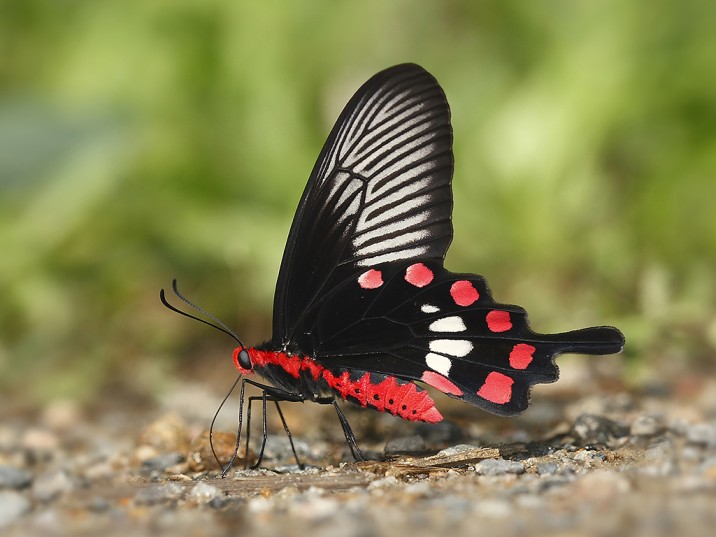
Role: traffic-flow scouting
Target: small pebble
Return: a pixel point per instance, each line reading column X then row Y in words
column 703, row 434
column 708, row 467
column 494, row 508
column 40, row 444
column 315, row 509
column 203, row 492
column 162, row 462
column 389, row 481
column 218, row 502
column 499, row 467
column 13, row 505
column 158, row 493
column 99, row 505
column 278, row 448
column 647, row 426
column 421, row 488
column 547, row 468
column 48, row 487
column 14, row 478
column 457, row 450
column 593, row 429
column 659, row 452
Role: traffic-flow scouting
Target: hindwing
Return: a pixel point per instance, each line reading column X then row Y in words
column 417, row 321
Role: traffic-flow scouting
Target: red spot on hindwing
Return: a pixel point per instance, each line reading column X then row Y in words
column 497, row 388
column 370, row 279
column 436, row 380
column 521, row 355
column 499, row 321
column 418, row 275
column 464, row 293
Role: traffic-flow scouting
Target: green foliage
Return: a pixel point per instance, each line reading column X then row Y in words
column 141, row 141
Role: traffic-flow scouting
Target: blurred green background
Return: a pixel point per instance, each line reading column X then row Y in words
column 146, row 140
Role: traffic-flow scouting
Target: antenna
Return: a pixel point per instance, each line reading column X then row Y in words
column 219, row 325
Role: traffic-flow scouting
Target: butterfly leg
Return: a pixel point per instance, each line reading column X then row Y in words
column 348, row 432
column 269, row 393
column 264, row 398
column 288, row 435
column 248, row 428
column 227, row 467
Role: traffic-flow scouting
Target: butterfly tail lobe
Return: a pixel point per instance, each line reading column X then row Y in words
column 593, row 340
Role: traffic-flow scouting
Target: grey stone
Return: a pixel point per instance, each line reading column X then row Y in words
column 703, row 434
column 547, row 468
column 203, row 492
column 218, row 502
column 99, row 505
column 457, row 450
column 47, row 487
column 708, row 466
column 14, row 478
column 593, row 429
column 443, row 432
column 13, row 505
column 278, row 448
column 647, row 426
column 158, row 494
column 405, row 444
column 162, row 462
column 499, row 467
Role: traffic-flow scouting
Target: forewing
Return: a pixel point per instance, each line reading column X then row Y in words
column 380, row 192
column 426, row 324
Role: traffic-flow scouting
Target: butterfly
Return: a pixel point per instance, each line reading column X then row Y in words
column 364, row 309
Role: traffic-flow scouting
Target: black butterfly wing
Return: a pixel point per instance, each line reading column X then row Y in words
column 379, row 192
column 420, row 322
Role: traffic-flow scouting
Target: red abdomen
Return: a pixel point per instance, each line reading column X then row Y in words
column 384, row 393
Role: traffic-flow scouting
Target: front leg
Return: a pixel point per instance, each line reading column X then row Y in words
column 269, row 393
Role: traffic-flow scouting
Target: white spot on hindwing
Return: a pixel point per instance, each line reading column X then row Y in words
column 429, row 308
column 436, row 362
column 453, row 347
column 448, row 324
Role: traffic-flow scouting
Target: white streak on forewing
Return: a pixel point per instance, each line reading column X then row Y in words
column 429, row 308
column 448, row 324
column 405, row 199
column 393, row 243
column 439, row 363
column 453, row 347
column 405, row 223
column 410, row 253
column 409, row 159
column 336, row 183
column 357, row 128
column 394, row 213
column 350, row 211
column 351, row 189
column 375, row 188
column 396, row 133
column 388, row 106
column 406, row 117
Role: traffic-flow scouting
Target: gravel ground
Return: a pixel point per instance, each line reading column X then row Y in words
column 614, row 463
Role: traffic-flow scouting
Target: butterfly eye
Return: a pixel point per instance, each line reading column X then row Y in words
column 243, row 359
